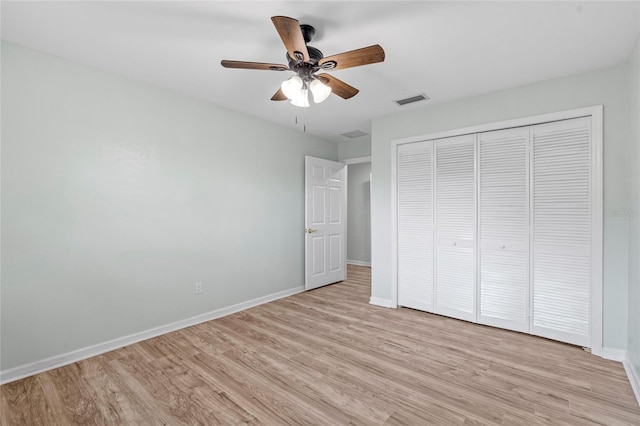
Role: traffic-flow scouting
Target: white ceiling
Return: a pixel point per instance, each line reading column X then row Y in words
column 448, row 50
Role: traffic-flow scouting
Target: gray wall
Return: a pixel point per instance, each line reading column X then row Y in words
column 354, row 149
column 118, row 197
column 606, row 86
column 634, row 208
column 359, row 213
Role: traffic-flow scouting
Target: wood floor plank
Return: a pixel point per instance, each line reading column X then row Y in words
column 263, row 402
column 79, row 399
column 329, row 357
column 30, row 394
column 114, row 402
column 150, row 409
column 58, row 414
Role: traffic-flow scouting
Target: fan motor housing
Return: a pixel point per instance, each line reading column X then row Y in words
column 314, row 56
column 297, row 64
column 307, row 32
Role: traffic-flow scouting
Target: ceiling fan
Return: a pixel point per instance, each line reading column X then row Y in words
column 306, row 62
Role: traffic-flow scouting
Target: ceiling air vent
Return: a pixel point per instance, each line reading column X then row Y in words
column 412, row 99
column 354, row 134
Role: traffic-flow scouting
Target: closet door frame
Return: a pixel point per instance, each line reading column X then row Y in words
column 596, row 114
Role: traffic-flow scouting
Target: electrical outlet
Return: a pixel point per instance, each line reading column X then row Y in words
column 198, row 287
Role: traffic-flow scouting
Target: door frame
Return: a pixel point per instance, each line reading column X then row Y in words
column 597, row 176
column 349, row 162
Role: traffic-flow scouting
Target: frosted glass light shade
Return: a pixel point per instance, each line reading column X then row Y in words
column 302, row 100
column 320, row 91
column 292, row 88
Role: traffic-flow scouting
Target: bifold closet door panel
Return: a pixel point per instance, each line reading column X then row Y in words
column 415, row 225
column 503, row 228
column 562, row 209
column 455, row 227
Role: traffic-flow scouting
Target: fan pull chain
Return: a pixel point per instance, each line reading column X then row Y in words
column 304, row 119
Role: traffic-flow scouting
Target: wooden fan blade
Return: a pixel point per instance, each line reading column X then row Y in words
column 291, row 35
column 354, row 58
column 279, row 96
column 254, row 65
column 338, row 87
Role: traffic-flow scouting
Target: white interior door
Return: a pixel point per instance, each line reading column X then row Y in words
column 503, row 222
column 562, row 231
column 325, row 222
column 455, row 226
column 415, row 225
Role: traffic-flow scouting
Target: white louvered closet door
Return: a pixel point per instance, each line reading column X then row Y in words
column 562, row 210
column 503, row 228
column 415, row 225
column 455, row 206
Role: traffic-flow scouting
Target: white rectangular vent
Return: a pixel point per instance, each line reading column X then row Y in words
column 354, row 134
column 412, row 99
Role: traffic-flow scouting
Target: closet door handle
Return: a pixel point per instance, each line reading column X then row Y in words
column 454, row 243
column 502, row 246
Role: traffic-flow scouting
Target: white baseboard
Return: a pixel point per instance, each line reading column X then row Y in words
column 614, row 354
column 61, row 360
column 358, row 263
column 385, row 303
column 634, row 378
column 622, row 356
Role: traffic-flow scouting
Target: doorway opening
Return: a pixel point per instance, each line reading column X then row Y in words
column 359, row 211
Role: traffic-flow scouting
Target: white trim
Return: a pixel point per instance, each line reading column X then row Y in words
column 56, row 361
column 507, row 124
column 345, row 212
column 358, row 263
column 476, row 229
column 614, row 354
column 394, row 222
column 597, row 232
column 530, row 203
column 385, row 303
column 357, row 160
column 634, row 378
column 596, row 114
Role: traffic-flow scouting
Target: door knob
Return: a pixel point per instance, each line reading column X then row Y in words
column 502, row 246
column 311, row 231
column 454, row 243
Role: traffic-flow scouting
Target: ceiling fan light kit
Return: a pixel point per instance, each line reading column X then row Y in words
column 292, row 87
column 320, row 91
column 305, row 61
column 297, row 91
column 301, row 99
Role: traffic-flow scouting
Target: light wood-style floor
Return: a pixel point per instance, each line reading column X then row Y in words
column 328, row 357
